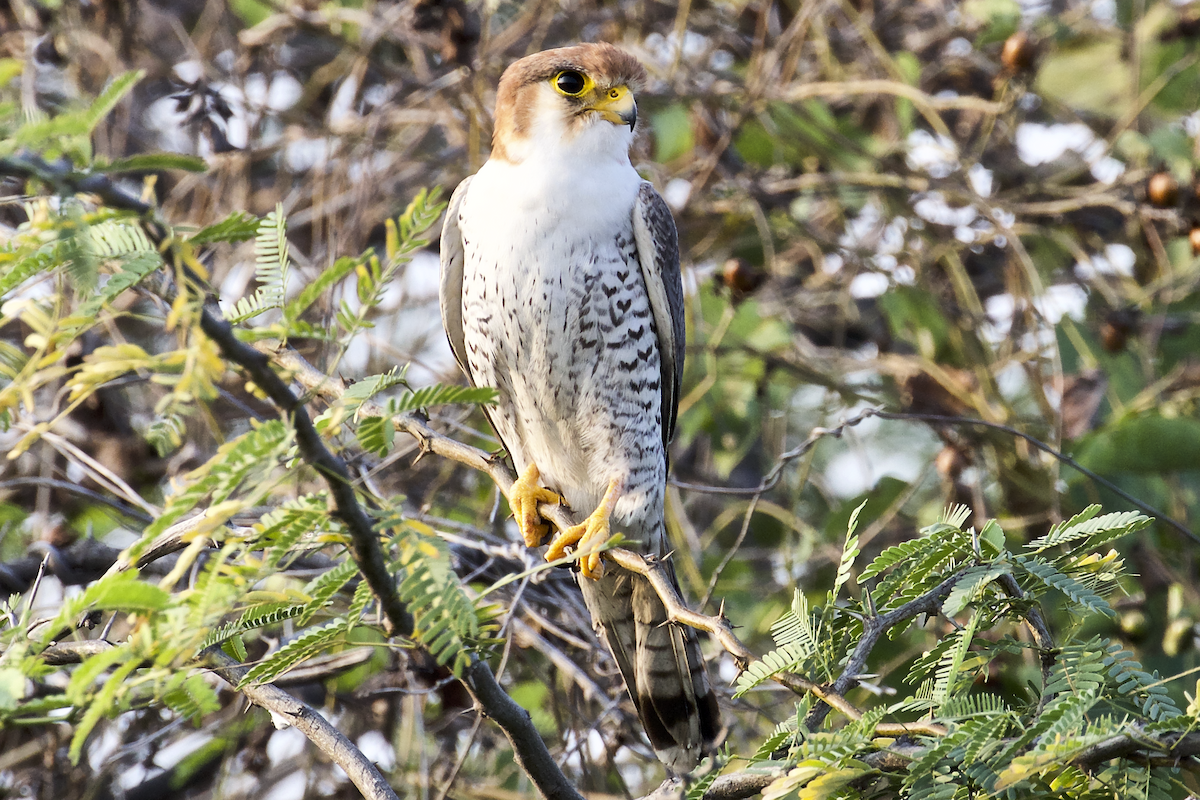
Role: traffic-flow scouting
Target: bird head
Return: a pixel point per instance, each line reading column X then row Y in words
column 580, row 97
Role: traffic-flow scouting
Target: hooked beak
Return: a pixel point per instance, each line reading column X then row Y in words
column 617, row 106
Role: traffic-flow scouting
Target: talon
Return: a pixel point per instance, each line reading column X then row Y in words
column 523, row 499
column 588, row 536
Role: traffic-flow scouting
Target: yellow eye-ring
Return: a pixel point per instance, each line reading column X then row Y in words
column 570, row 83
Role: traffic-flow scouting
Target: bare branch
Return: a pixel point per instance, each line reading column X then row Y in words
column 1135, row 743
column 286, row 709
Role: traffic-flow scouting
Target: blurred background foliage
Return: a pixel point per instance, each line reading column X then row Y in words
column 985, row 209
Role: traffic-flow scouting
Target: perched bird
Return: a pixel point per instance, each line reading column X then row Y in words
column 560, row 287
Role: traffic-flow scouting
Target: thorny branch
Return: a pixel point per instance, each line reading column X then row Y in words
column 286, row 709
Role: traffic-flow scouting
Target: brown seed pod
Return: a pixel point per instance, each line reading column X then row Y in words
column 1117, row 327
column 1113, row 337
column 1019, row 52
column 741, row 277
column 1162, row 189
column 1194, row 240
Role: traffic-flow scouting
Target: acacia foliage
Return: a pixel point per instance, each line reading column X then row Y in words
column 1041, row 742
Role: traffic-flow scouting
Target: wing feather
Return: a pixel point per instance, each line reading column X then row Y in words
column 450, row 285
column 658, row 253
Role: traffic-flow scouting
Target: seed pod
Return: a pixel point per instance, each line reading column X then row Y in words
column 1162, row 189
column 741, row 277
column 1194, row 240
column 1117, row 327
column 1019, row 52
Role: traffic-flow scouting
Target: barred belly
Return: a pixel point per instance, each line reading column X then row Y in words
column 566, row 335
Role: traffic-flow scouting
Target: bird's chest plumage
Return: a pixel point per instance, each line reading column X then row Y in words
column 557, row 317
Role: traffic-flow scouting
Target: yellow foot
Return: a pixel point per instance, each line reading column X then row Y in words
column 523, row 498
column 588, row 536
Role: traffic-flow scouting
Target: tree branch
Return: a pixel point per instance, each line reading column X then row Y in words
column 873, row 628
column 1042, row 637
column 286, row 709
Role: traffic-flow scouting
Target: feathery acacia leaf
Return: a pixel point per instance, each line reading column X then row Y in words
column 1075, row 591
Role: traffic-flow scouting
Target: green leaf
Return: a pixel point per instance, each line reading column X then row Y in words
column 307, row 644
column 363, row 390
column 673, row 137
column 9, row 69
column 322, row 589
column 970, row 585
column 271, row 263
column 254, row 453
column 376, row 434
column 328, row 278
column 440, row 395
column 1074, row 590
column 894, row 555
column 12, row 688
column 104, row 703
column 251, row 12
column 1087, row 75
column 849, row 552
column 797, row 640
column 113, row 93
column 946, row 674
column 259, row 616
column 193, row 699
column 237, row 227
column 1086, row 525
column 153, row 162
column 122, row 592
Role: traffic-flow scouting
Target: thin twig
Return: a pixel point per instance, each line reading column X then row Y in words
column 817, row 434
column 118, row 505
column 1045, row 448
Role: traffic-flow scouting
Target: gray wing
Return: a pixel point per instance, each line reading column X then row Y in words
column 658, row 254
column 450, row 288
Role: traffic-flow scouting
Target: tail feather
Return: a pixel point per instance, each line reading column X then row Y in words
column 661, row 663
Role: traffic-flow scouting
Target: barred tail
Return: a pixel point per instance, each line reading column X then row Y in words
column 661, row 664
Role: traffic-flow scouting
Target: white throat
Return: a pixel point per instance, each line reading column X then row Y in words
column 580, row 178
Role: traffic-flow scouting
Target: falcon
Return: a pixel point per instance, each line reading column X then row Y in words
column 560, row 288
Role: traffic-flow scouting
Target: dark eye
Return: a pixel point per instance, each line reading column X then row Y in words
column 570, row 82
